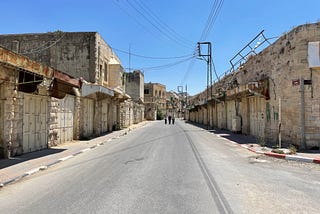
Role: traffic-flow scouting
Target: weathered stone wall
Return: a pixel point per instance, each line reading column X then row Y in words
column 150, row 111
column 72, row 53
column 52, row 122
column 2, row 139
column 267, row 114
column 12, row 114
column 116, row 76
column 135, row 85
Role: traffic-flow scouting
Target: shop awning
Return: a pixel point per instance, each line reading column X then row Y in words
column 21, row 62
column 121, row 94
column 63, row 84
column 88, row 89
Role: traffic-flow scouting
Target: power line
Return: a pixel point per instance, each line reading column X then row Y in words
column 165, row 26
column 215, row 9
column 160, row 67
column 152, row 57
column 158, row 28
column 137, row 21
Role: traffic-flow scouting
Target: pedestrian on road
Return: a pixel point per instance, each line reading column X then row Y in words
column 165, row 119
column 169, row 119
column 172, row 120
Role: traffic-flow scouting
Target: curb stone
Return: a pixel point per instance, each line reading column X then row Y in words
column 287, row 157
column 280, row 156
column 44, row 167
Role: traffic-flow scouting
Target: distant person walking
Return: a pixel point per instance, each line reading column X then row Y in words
column 165, row 119
column 173, row 120
column 169, row 119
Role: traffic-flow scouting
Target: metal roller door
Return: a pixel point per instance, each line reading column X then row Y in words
column 34, row 123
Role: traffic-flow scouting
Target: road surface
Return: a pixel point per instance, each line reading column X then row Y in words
column 168, row 169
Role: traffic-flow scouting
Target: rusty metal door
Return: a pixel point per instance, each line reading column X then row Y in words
column 34, row 123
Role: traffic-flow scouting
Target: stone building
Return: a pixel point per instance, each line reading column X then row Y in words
column 132, row 110
column 87, row 56
column 155, row 100
column 173, row 104
column 272, row 95
column 35, row 102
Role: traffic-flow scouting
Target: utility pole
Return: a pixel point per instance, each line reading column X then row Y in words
column 130, row 57
column 186, row 104
column 206, row 55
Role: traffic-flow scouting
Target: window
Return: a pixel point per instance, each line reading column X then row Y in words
column 105, row 72
column 146, row 91
column 99, row 72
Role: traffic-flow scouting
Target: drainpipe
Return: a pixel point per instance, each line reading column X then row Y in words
column 302, row 115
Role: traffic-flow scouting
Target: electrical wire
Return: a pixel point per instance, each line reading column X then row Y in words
column 215, row 9
column 214, row 70
column 138, row 22
column 164, row 26
column 152, row 57
column 42, row 47
column 160, row 67
column 165, row 34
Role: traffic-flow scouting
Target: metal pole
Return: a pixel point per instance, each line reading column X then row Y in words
column 302, row 115
column 279, row 122
column 208, row 58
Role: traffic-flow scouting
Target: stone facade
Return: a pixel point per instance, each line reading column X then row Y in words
column 132, row 110
column 173, row 104
column 135, row 85
column 271, row 96
column 83, row 55
column 28, row 107
column 154, row 99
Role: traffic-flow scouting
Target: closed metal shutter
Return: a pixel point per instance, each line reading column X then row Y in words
column 34, row 123
column 65, row 119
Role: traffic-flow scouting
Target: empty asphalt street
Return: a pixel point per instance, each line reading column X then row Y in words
column 162, row 168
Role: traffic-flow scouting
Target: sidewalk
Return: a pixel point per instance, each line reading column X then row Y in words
column 16, row 168
column 250, row 143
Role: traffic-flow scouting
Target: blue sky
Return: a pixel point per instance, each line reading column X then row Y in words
column 163, row 29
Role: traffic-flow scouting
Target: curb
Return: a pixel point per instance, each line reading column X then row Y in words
column 44, row 167
column 284, row 156
column 41, row 168
column 276, row 155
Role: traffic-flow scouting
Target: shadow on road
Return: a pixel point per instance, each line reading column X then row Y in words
column 28, row 156
column 236, row 137
column 246, row 139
